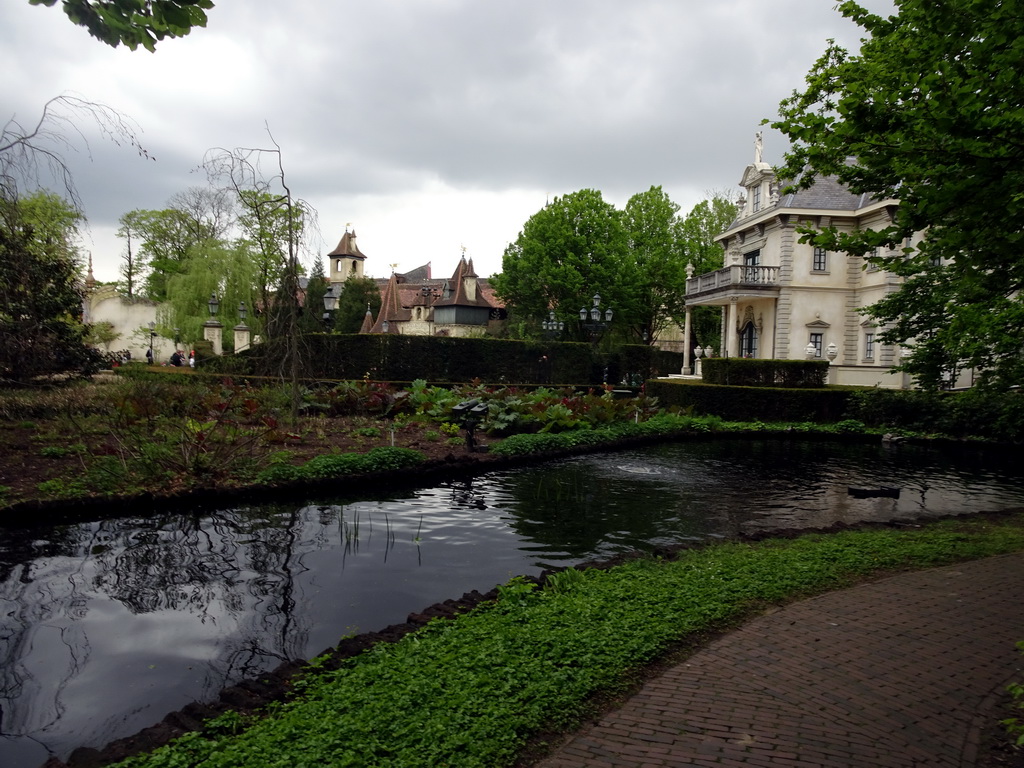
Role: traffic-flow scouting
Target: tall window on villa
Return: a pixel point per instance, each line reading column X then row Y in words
column 748, row 341
column 817, row 339
column 820, row 261
column 751, row 260
column 757, row 197
column 869, row 346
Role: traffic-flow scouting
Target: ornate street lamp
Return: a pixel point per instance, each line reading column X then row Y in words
column 212, row 329
column 593, row 320
column 242, row 331
column 330, row 304
column 552, row 327
column 330, row 299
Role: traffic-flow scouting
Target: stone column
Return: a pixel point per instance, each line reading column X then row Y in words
column 213, row 333
column 686, row 342
column 242, row 337
column 729, row 340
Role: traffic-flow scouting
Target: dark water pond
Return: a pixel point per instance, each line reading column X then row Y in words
column 106, row 626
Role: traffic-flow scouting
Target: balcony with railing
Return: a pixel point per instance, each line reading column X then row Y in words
column 734, row 280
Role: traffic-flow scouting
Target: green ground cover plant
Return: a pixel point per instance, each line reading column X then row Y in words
column 1015, row 725
column 473, row 690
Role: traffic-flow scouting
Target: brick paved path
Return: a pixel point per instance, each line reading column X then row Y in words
column 897, row 674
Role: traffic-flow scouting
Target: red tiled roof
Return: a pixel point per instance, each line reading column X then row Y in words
column 457, row 288
column 347, row 247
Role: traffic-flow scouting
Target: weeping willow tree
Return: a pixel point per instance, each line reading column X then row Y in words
column 214, row 267
column 274, row 222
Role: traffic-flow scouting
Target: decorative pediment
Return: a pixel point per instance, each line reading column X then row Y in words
column 756, row 173
column 748, row 319
column 819, row 323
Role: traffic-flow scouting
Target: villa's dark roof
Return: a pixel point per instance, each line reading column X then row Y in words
column 827, row 193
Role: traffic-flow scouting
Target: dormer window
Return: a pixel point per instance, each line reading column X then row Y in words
column 756, row 192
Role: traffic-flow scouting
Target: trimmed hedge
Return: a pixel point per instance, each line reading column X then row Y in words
column 752, row 403
column 974, row 413
column 390, row 357
column 743, row 372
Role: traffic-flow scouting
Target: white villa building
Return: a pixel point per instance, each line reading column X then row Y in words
column 783, row 299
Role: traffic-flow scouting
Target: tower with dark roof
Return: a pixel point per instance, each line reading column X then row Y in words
column 346, row 260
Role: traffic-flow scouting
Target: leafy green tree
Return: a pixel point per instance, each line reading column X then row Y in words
column 569, row 250
column 41, row 328
column 270, row 224
column 166, row 241
column 697, row 232
column 167, row 238
column 929, row 113
column 134, row 22
column 133, row 263
column 357, row 293
column 101, row 334
column 312, row 318
column 656, row 264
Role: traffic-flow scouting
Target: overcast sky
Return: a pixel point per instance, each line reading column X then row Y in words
column 429, row 125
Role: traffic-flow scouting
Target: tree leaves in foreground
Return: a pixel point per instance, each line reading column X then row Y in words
column 134, row 22
column 930, row 112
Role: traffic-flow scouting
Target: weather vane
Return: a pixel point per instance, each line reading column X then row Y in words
column 393, row 266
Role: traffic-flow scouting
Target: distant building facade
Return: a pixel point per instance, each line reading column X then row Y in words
column 415, row 303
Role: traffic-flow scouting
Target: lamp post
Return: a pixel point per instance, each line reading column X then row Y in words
column 552, row 327
column 593, row 320
column 152, row 335
column 212, row 329
column 241, row 330
column 330, row 303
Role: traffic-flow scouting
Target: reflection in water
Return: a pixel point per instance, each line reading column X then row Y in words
column 107, row 626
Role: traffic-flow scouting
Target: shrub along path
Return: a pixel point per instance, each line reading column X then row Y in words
column 901, row 672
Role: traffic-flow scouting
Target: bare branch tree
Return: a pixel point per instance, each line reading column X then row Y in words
column 27, row 152
column 211, row 211
column 257, row 177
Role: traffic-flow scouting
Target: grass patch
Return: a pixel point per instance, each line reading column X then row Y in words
column 472, row 691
